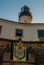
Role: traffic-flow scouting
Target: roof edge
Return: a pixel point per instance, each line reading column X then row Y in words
column 22, row 23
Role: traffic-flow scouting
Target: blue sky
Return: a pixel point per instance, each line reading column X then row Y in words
column 9, row 9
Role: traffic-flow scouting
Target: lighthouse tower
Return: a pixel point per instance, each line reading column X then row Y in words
column 25, row 15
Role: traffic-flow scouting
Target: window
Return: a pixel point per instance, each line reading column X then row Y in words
column 40, row 33
column 22, row 9
column 25, row 20
column 19, row 32
column 0, row 29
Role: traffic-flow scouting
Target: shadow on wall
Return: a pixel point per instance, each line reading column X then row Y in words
column 4, row 53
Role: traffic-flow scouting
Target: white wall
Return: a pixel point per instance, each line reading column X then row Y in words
column 29, row 30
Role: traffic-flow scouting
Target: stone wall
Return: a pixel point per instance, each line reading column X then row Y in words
column 18, row 63
column 3, row 46
column 36, row 48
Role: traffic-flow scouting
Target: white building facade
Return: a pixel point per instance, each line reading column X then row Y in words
column 30, row 30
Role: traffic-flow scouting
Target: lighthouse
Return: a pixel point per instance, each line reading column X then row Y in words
column 25, row 15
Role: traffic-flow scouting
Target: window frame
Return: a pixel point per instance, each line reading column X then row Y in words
column 19, row 35
column 39, row 31
column 0, row 29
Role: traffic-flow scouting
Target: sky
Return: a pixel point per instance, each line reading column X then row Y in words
column 9, row 9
